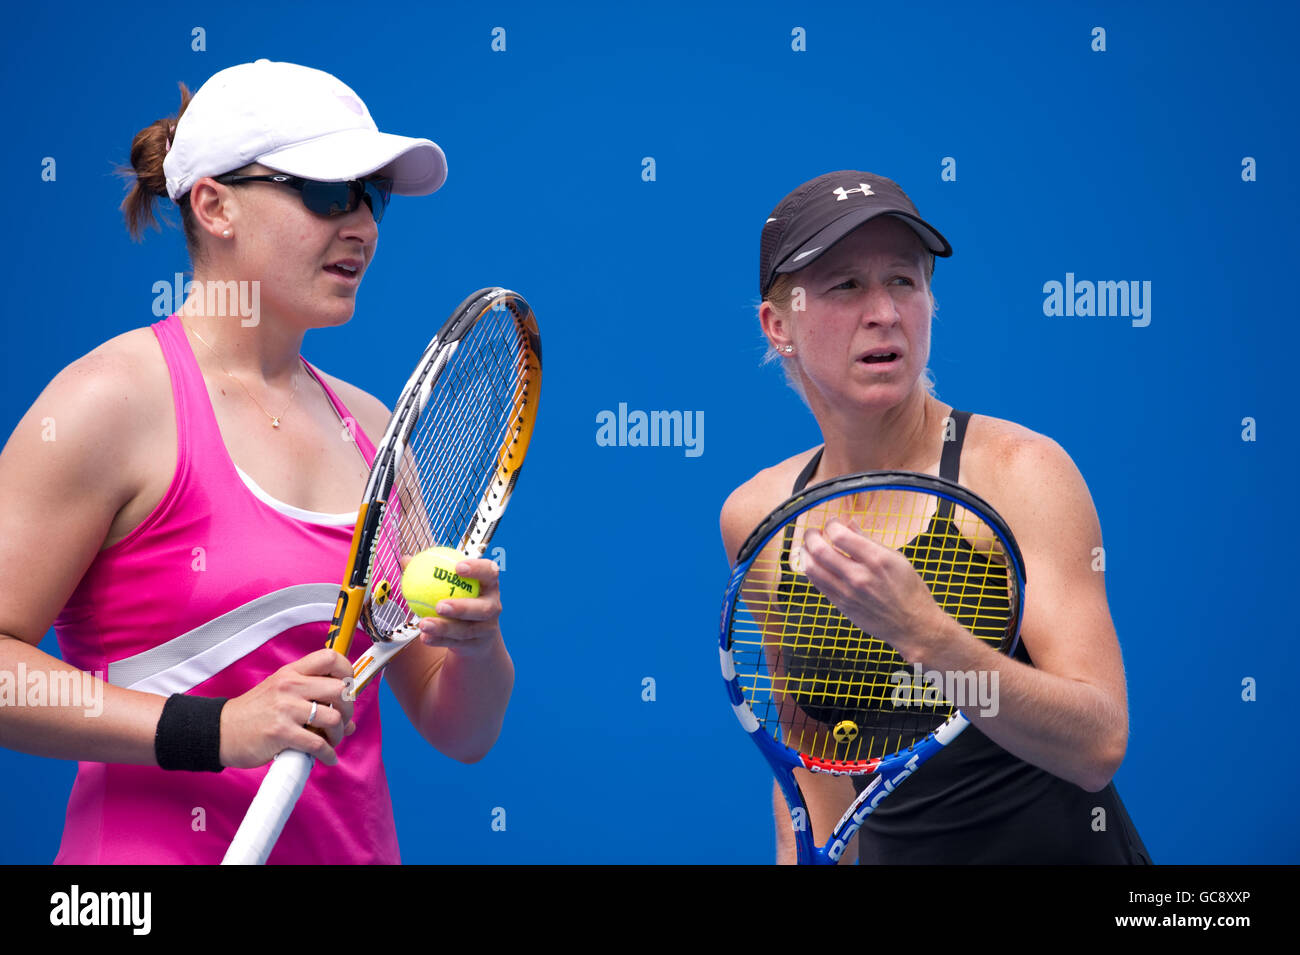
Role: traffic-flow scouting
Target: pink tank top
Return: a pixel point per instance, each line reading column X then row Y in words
column 220, row 586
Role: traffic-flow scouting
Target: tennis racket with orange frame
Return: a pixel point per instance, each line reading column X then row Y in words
column 442, row 476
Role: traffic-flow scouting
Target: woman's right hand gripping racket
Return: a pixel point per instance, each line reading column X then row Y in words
column 814, row 691
column 442, row 476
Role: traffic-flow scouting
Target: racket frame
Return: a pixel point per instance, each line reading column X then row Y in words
column 284, row 781
column 350, row 611
column 891, row 770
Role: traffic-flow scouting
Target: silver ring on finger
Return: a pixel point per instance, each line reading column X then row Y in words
column 312, row 715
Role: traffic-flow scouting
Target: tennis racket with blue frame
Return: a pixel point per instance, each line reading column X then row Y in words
column 814, row 691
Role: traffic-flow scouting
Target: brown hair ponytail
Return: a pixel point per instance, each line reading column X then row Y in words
column 146, row 176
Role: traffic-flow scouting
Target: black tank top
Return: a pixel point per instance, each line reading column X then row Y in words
column 975, row 803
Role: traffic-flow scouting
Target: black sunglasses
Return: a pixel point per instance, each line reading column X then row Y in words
column 330, row 198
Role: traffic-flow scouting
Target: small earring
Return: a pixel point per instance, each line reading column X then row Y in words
column 789, row 349
column 226, row 234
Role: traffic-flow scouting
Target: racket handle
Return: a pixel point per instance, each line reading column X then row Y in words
column 270, row 810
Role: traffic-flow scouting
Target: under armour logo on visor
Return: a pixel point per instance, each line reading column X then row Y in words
column 841, row 193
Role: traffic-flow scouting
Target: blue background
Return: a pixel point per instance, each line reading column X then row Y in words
column 1123, row 164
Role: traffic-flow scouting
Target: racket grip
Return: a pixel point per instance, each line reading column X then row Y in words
column 270, row 810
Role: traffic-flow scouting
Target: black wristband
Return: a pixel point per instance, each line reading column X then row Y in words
column 189, row 733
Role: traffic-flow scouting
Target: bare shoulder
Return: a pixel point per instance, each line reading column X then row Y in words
column 1029, row 478
column 371, row 413
column 134, row 355
column 1000, row 451
column 79, row 455
column 105, row 399
column 748, row 504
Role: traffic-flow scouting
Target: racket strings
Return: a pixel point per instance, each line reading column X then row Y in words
column 470, row 427
column 459, row 454
column 464, row 425
column 819, row 683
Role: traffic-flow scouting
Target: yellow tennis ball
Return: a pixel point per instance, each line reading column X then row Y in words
column 431, row 576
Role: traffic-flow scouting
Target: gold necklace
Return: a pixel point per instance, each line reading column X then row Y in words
column 275, row 418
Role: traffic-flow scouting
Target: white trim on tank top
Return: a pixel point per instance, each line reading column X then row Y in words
column 289, row 510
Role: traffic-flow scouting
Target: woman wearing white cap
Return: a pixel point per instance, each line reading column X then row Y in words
column 186, row 531
column 845, row 265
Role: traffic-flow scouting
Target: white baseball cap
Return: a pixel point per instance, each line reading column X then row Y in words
column 295, row 120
